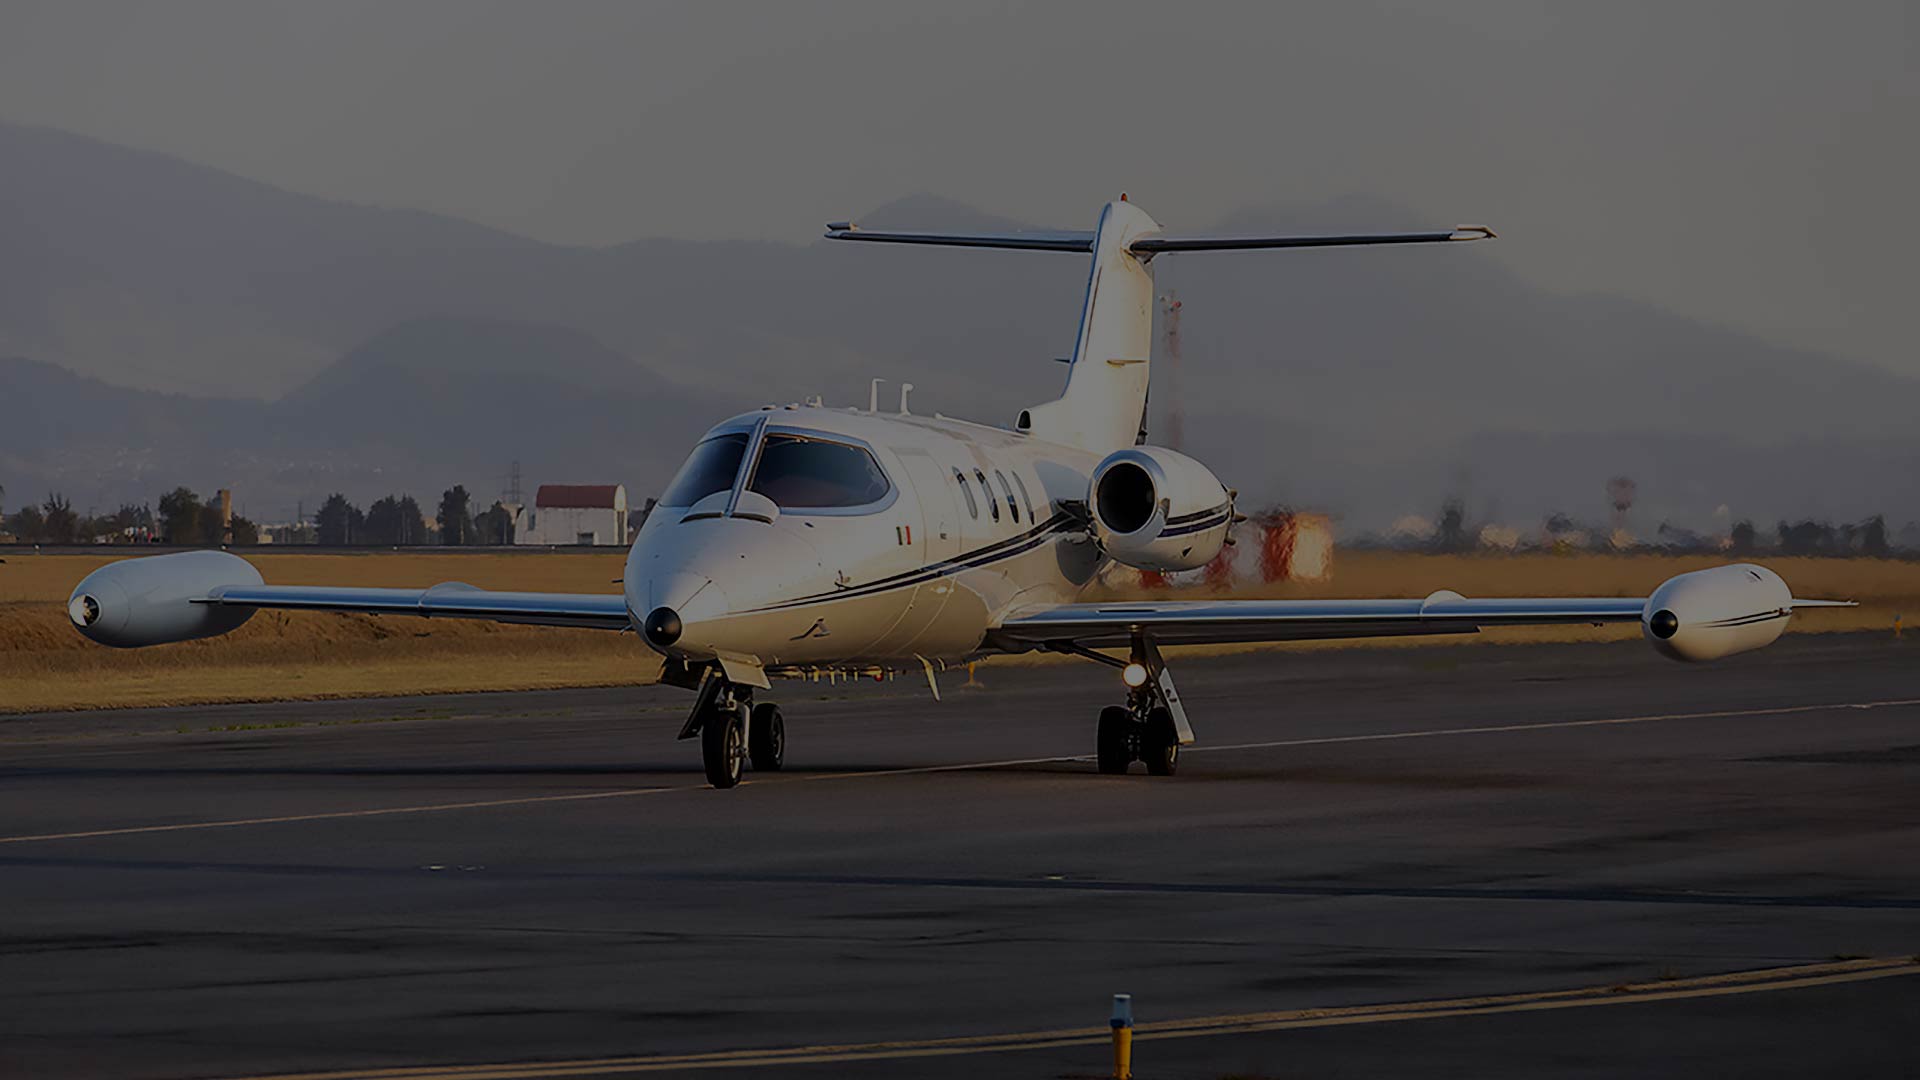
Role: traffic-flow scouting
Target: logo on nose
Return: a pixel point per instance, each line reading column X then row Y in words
column 662, row 627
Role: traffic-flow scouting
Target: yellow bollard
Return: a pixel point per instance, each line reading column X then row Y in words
column 1122, row 1036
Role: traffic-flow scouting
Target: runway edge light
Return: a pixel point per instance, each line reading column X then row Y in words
column 1122, row 1036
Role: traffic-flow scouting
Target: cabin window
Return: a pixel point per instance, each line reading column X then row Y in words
column 973, row 508
column 986, row 490
column 799, row 473
column 1013, row 508
column 1024, row 497
column 711, row 467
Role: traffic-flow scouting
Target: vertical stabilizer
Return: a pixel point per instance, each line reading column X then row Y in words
column 1106, row 395
column 1105, row 402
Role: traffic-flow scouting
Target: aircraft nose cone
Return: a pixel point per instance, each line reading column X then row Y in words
column 662, row 627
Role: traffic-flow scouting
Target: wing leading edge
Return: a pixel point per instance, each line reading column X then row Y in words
column 450, row 600
column 1197, row 622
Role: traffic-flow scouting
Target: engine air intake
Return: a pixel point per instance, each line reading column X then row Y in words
column 1126, row 497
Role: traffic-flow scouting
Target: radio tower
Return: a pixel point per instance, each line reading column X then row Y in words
column 1170, row 306
column 513, row 484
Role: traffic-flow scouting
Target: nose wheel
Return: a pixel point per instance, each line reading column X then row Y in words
column 723, row 743
column 767, row 745
column 733, row 731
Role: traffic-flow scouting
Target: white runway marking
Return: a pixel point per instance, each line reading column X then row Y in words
column 970, row 766
column 1554, row 725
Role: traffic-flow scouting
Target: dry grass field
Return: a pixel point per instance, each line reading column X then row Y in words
column 45, row 665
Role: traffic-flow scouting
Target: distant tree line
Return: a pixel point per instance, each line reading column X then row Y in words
column 183, row 518
column 1451, row 531
column 397, row 521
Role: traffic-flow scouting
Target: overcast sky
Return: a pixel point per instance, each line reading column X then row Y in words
column 1751, row 164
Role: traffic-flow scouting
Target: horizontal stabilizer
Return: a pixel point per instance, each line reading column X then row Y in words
column 1146, row 247
column 1077, row 242
column 1154, row 245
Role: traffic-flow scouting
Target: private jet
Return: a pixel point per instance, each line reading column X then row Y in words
column 802, row 541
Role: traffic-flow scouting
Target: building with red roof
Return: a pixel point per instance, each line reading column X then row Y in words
column 576, row 514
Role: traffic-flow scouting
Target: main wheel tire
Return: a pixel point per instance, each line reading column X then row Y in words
column 1160, row 743
column 1113, row 740
column 720, row 748
column 767, row 738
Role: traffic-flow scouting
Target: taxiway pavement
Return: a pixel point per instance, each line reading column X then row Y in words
column 544, row 877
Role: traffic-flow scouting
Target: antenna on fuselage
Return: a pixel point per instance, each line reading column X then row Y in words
column 905, row 388
column 873, row 396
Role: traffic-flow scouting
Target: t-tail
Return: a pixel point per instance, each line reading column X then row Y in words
column 1104, row 404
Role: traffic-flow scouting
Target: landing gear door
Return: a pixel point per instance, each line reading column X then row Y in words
column 939, row 529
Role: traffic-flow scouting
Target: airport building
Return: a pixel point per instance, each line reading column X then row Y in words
column 575, row 514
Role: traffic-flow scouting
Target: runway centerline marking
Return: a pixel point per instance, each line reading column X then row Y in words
column 921, row 770
column 1794, row 977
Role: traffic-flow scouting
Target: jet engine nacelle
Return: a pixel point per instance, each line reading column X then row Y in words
column 150, row 601
column 1154, row 509
column 1708, row 614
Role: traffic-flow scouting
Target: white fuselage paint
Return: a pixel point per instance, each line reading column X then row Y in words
column 922, row 575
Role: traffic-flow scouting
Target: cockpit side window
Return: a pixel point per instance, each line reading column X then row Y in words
column 711, row 467
column 1013, row 508
column 800, row 473
column 986, row 489
column 973, row 508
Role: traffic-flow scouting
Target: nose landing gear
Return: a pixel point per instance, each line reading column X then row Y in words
column 733, row 731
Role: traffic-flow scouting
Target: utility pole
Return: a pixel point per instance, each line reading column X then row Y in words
column 1170, row 307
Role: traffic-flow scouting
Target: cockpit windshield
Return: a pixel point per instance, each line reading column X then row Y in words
column 800, row 473
column 711, row 467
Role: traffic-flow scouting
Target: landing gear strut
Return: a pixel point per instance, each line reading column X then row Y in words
column 733, row 731
column 1152, row 726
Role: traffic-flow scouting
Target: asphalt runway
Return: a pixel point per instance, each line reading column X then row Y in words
column 950, row 890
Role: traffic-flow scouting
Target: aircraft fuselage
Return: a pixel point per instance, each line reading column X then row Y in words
column 973, row 521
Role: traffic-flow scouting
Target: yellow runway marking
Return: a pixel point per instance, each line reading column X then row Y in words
column 1745, row 982
column 970, row 766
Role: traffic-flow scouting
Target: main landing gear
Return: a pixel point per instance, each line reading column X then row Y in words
column 1152, row 726
column 734, row 732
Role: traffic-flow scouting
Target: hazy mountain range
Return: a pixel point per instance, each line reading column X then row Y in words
column 172, row 324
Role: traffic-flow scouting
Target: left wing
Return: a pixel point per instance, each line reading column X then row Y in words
column 451, row 600
column 1195, row 622
column 195, row 594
